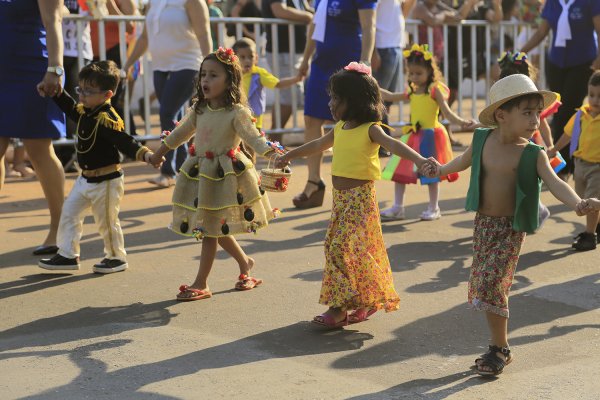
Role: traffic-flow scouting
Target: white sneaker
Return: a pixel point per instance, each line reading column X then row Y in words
column 430, row 215
column 162, row 181
column 392, row 214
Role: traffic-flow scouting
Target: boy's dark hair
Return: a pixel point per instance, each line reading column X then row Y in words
column 103, row 74
column 244, row 43
column 594, row 79
column 526, row 98
column 360, row 93
column 233, row 95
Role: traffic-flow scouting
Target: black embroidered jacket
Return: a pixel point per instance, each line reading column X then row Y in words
column 100, row 134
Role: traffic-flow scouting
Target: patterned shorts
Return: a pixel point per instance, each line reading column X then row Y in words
column 496, row 248
column 357, row 270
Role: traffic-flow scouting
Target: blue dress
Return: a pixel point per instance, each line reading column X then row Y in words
column 23, row 62
column 343, row 40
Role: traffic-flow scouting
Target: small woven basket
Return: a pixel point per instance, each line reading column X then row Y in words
column 275, row 179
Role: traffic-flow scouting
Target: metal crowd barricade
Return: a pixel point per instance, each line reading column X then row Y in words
column 260, row 26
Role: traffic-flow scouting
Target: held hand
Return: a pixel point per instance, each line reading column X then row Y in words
column 431, row 168
column 154, row 160
column 551, row 151
column 303, row 69
column 281, row 161
column 470, row 125
column 582, row 208
column 50, row 85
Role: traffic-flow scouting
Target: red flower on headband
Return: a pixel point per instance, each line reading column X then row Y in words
column 358, row 67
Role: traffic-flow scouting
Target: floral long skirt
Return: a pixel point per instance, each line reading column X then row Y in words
column 496, row 248
column 357, row 269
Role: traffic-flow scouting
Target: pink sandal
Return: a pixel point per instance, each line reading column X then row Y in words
column 361, row 315
column 329, row 321
column 198, row 294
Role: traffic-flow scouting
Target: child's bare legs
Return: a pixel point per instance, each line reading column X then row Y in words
column 207, row 257
column 498, row 326
column 591, row 221
column 396, row 211
column 231, row 246
column 433, row 209
column 434, row 195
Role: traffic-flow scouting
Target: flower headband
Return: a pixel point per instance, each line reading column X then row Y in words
column 358, row 67
column 418, row 50
column 226, row 56
column 508, row 57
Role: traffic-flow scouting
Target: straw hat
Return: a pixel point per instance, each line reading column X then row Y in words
column 507, row 89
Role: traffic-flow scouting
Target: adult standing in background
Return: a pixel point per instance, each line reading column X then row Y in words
column 295, row 11
column 113, row 53
column 390, row 39
column 31, row 50
column 177, row 34
column 342, row 31
column 71, row 64
column 572, row 57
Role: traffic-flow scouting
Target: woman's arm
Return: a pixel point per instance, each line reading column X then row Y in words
column 140, row 47
column 197, row 12
column 281, row 10
column 407, row 6
column 596, row 63
column 537, row 37
column 124, row 7
column 430, row 19
column 309, row 50
column 367, row 25
column 51, row 13
column 495, row 14
column 395, row 146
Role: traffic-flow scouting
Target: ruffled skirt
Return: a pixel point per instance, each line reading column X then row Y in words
column 428, row 143
column 219, row 197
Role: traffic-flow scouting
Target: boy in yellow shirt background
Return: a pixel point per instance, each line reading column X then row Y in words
column 583, row 132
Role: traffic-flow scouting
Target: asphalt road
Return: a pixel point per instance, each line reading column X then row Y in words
column 122, row 336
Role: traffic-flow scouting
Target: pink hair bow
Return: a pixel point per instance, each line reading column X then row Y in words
column 358, row 67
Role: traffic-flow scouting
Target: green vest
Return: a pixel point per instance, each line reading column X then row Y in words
column 529, row 184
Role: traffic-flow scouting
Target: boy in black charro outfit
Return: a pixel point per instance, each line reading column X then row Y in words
column 100, row 137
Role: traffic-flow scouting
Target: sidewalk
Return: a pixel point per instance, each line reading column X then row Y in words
column 122, row 336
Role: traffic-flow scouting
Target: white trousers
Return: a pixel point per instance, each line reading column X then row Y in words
column 104, row 198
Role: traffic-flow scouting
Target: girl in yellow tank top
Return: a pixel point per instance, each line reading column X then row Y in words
column 427, row 96
column 357, row 280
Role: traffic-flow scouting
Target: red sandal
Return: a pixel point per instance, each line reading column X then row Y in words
column 198, row 294
column 246, row 282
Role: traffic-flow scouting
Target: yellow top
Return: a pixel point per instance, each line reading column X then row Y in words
column 267, row 80
column 424, row 109
column 589, row 139
column 354, row 154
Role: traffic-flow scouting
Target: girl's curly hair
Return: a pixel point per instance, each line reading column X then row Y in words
column 512, row 64
column 233, row 94
column 361, row 94
column 434, row 73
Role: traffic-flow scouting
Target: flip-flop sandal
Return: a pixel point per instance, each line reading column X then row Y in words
column 246, row 282
column 360, row 315
column 198, row 294
column 330, row 322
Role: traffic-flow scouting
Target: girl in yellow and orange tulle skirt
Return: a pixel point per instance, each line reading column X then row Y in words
column 427, row 95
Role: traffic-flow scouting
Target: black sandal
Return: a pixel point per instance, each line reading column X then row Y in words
column 492, row 361
column 314, row 200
